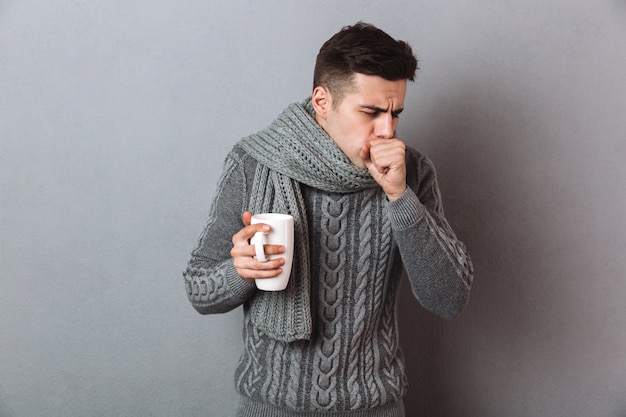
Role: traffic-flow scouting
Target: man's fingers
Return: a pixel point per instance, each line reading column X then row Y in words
column 249, row 268
column 246, row 233
column 365, row 154
column 250, row 263
column 243, row 254
column 246, row 217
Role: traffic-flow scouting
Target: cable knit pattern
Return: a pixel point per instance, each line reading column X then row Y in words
column 254, row 364
column 293, row 398
column 448, row 238
column 271, row 384
column 361, row 285
column 351, row 365
column 332, row 279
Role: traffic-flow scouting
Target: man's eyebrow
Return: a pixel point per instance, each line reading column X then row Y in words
column 381, row 110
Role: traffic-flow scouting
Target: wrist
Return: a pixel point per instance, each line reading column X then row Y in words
column 396, row 194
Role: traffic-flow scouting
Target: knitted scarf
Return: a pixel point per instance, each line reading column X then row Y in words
column 295, row 149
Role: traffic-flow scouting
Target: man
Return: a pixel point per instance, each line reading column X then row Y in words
column 365, row 207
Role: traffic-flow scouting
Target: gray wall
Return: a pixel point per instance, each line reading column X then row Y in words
column 115, row 117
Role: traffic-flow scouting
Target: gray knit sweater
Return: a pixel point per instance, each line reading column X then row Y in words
column 359, row 244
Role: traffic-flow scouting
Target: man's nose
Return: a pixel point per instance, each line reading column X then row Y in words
column 385, row 126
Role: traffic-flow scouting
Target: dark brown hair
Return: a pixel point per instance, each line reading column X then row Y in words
column 364, row 49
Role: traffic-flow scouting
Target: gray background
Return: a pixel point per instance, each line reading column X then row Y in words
column 115, row 117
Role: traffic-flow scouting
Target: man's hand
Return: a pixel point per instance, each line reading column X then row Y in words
column 384, row 158
column 243, row 253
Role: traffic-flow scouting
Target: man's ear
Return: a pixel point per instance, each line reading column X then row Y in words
column 321, row 100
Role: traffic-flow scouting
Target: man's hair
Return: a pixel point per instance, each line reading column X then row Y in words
column 363, row 49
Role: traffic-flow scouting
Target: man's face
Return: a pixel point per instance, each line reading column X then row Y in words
column 368, row 111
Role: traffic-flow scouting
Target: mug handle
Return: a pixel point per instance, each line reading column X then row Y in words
column 258, row 246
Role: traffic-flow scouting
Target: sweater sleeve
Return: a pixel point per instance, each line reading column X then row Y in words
column 211, row 280
column 438, row 266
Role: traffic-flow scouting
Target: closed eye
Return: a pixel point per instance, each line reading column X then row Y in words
column 375, row 111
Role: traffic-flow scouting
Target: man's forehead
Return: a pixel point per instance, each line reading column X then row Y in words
column 374, row 88
column 378, row 99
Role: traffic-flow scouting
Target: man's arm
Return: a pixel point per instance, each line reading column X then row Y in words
column 212, row 282
column 437, row 263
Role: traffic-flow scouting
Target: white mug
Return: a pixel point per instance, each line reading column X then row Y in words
column 281, row 233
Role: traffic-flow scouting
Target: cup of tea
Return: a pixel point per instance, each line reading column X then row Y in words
column 281, row 233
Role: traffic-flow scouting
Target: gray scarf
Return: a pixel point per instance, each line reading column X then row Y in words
column 295, row 149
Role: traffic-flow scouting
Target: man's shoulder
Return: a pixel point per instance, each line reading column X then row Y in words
column 411, row 152
column 238, row 160
column 239, row 154
column 415, row 158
